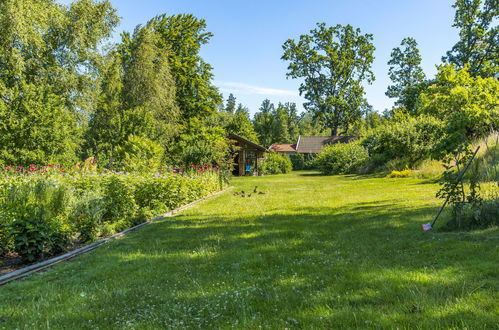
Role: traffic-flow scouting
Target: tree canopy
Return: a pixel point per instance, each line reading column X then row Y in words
column 478, row 45
column 50, row 64
column 406, row 74
column 334, row 62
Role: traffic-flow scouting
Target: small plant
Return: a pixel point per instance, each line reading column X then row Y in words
column 119, row 201
column 87, row 218
column 6, row 242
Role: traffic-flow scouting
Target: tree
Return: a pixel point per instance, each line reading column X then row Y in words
column 293, row 121
column 334, row 62
column 469, row 107
column 183, row 35
column 138, row 97
column 309, row 126
column 230, row 107
column 49, row 68
column 262, row 122
column 478, row 43
column 148, row 83
column 406, row 74
column 280, row 128
column 241, row 125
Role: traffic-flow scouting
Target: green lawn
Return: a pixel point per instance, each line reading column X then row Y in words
column 313, row 252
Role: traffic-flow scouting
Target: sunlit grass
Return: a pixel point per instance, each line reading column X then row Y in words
column 312, row 252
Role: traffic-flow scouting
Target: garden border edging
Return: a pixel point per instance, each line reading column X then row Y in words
column 20, row 273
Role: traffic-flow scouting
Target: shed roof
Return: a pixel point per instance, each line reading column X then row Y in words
column 246, row 141
column 283, row 147
column 314, row 144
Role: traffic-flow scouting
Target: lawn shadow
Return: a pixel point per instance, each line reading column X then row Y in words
column 310, row 267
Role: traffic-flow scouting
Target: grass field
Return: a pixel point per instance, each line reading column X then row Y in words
column 312, row 252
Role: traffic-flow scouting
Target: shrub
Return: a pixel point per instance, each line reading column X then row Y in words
column 400, row 174
column 140, row 154
column 43, row 211
column 302, row 162
column 87, row 217
column 341, row 158
column 483, row 216
column 6, row 242
column 37, row 210
column 404, row 143
column 119, row 201
column 276, row 163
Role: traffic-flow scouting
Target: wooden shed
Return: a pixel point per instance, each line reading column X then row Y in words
column 248, row 156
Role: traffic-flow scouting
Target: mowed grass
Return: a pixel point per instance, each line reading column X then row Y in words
column 312, row 252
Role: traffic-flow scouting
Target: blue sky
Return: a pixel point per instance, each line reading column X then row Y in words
column 246, row 48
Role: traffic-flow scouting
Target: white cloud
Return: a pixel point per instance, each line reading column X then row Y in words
column 241, row 88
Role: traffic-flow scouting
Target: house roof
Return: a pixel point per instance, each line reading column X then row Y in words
column 314, row 144
column 283, row 147
column 246, row 141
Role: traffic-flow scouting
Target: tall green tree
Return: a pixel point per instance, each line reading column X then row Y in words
column 263, row 123
column 406, row 74
column 334, row 63
column 280, row 128
column 50, row 62
column 183, row 36
column 241, row 124
column 478, row 44
column 138, row 97
column 230, row 106
column 469, row 107
column 293, row 121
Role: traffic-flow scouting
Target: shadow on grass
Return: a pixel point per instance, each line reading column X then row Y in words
column 311, row 267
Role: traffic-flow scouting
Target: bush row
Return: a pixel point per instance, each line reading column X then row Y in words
column 396, row 146
column 45, row 213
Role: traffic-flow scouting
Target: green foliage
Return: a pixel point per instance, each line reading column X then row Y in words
column 49, row 65
column 6, row 241
column 33, row 212
column 276, row 163
column 406, row 74
column 138, row 98
column 230, row 107
column 140, row 154
column 342, row 158
column 119, row 199
column 410, row 140
column 183, row 35
column 263, row 123
column 282, row 124
column 43, row 213
column 240, row 124
column 400, row 174
column 478, row 43
column 302, row 161
column 334, row 63
column 467, row 105
column 37, row 127
column 201, row 143
column 87, row 216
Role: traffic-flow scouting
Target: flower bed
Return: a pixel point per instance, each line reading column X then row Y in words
column 48, row 210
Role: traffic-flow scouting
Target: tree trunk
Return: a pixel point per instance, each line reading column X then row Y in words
column 334, row 131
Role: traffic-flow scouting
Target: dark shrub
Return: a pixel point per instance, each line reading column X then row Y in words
column 302, row 161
